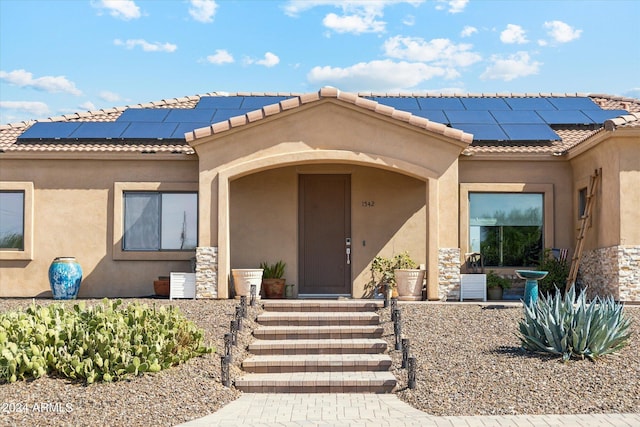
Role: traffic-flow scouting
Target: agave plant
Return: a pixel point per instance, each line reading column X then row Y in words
column 559, row 326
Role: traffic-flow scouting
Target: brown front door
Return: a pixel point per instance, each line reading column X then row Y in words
column 325, row 226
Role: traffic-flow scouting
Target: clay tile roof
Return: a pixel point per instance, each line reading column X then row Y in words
column 570, row 135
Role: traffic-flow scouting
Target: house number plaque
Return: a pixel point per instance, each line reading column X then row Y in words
column 368, row 203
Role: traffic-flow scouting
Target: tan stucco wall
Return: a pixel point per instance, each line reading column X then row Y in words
column 73, row 216
column 264, row 212
column 615, row 214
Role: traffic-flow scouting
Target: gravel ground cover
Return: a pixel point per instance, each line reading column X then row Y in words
column 469, row 363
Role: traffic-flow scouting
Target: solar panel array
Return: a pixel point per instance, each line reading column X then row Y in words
column 488, row 119
column 494, row 119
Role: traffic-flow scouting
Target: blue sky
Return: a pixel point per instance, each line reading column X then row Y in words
column 59, row 57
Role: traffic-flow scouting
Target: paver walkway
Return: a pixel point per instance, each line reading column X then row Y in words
column 374, row 410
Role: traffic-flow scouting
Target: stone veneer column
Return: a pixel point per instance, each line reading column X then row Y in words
column 206, row 272
column 612, row 271
column 449, row 273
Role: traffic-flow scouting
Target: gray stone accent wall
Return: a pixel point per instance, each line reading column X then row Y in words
column 449, row 274
column 612, row 271
column 206, row 272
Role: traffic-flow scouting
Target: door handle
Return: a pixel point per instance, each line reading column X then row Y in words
column 348, row 256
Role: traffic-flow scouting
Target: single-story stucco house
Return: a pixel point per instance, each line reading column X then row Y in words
column 235, row 179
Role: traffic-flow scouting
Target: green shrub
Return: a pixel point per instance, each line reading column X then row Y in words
column 104, row 342
column 494, row 281
column 559, row 326
column 557, row 276
column 273, row 271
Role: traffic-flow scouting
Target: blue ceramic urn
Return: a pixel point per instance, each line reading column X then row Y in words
column 65, row 275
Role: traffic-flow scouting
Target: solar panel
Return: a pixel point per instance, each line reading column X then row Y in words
column 574, row 103
column 99, row 130
column 403, row 104
column 49, row 130
column 190, row 115
column 222, row 115
column 518, row 116
column 602, row 115
column 143, row 115
column 532, row 132
column 257, row 102
column 476, row 116
column 140, row 130
column 185, row 127
column 529, row 104
column 566, row 117
column 433, row 115
column 440, row 104
column 485, row 104
column 220, row 102
column 483, row 132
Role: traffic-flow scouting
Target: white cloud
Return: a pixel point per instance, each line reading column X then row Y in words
column 385, row 75
column 109, row 96
column 34, row 108
column 146, row 46
column 203, row 10
column 356, row 24
column 513, row 34
column 438, row 51
column 409, row 20
column 121, row 9
column 51, row 84
column 268, row 61
column 561, row 32
column 220, row 57
column 468, row 30
column 510, row 68
column 455, row 6
column 88, row 105
column 633, row 93
column 357, row 16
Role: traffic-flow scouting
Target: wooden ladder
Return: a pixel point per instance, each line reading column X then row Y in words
column 584, row 225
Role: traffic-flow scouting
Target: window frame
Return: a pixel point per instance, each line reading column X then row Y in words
column 120, row 188
column 547, row 200
column 26, row 253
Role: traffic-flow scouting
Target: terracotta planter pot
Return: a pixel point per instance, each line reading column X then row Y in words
column 162, row 286
column 273, row 288
column 409, row 284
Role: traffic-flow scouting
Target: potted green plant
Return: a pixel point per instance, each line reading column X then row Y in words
column 496, row 285
column 400, row 274
column 273, row 282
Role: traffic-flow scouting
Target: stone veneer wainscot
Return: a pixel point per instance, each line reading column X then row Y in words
column 206, row 272
column 449, row 274
column 612, row 271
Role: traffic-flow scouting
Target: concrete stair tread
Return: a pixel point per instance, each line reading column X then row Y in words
column 334, row 331
column 313, row 343
column 345, row 318
column 322, row 305
column 299, row 359
column 292, row 382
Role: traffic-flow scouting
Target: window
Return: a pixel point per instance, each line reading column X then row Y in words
column 12, row 220
column 16, row 221
column 582, row 202
column 160, row 221
column 507, row 228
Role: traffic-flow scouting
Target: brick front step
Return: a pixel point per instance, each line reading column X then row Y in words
column 310, row 346
column 317, row 332
column 322, row 305
column 318, row 318
column 317, row 363
column 318, row 382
